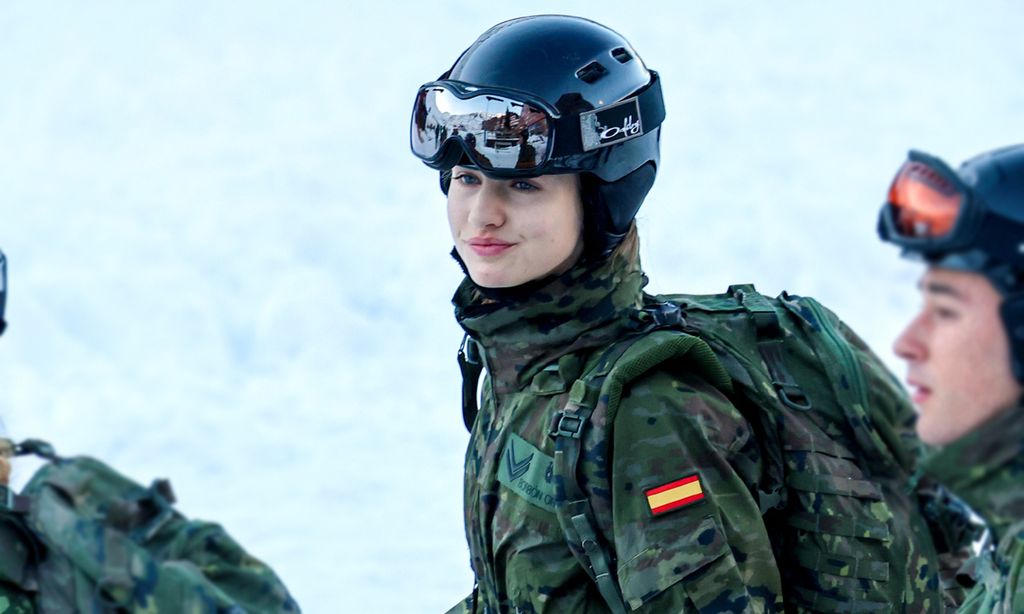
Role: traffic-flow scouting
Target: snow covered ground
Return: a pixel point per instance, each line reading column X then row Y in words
column 227, row 269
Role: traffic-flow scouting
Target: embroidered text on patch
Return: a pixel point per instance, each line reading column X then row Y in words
column 675, row 494
column 528, row 472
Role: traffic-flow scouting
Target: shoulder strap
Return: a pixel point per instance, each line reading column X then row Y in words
column 848, row 384
column 769, row 345
column 572, row 506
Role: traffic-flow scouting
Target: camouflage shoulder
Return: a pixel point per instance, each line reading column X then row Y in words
column 688, row 531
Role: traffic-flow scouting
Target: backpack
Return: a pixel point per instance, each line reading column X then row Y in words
column 854, row 528
column 81, row 537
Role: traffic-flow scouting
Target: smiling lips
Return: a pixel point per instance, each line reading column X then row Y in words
column 483, row 246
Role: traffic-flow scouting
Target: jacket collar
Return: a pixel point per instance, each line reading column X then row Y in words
column 587, row 307
column 985, row 468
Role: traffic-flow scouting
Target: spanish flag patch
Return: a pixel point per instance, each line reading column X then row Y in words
column 675, row 494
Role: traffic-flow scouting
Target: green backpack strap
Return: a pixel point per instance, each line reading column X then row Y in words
column 602, row 385
column 875, row 438
column 572, row 506
column 769, row 345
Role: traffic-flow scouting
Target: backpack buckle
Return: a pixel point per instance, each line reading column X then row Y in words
column 793, row 396
column 666, row 315
column 566, row 424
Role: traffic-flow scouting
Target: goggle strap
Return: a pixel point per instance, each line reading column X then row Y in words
column 568, row 129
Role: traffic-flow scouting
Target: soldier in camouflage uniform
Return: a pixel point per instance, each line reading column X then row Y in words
column 553, row 279
column 82, row 538
column 965, row 348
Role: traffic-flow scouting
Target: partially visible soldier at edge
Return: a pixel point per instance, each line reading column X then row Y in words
column 965, row 347
column 82, row 538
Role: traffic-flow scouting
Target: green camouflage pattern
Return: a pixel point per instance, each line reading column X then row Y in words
column 851, row 532
column 713, row 555
column 986, row 469
column 15, row 601
column 16, row 556
column 110, row 544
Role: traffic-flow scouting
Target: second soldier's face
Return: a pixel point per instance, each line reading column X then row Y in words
column 958, row 356
column 512, row 231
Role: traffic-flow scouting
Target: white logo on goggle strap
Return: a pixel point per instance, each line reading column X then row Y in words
column 611, row 125
column 629, row 127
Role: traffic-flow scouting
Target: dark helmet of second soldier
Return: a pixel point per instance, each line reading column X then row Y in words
column 970, row 219
column 606, row 109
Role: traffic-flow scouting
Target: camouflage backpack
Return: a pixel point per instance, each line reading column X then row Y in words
column 83, row 538
column 853, row 528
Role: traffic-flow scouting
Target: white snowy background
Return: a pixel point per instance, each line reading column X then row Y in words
column 227, row 269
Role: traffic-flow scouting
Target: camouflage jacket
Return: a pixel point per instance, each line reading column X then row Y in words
column 709, row 553
column 13, row 600
column 986, row 469
column 57, row 549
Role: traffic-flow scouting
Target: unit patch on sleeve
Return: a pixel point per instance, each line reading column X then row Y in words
column 675, row 495
column 528, row 472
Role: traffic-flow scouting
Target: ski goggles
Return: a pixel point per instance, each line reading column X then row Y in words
column 929, row 208
column 3, row 291
column 512, row 133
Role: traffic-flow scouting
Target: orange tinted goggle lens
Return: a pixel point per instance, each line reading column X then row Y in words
column 925, row 204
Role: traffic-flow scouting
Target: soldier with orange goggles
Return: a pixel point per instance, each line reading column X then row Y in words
column 965, row 347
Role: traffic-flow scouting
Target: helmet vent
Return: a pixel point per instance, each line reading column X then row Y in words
column 591, row 72
column 620, row 54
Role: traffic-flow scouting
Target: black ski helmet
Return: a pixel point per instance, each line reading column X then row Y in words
column 987, row 236
column 576, row 66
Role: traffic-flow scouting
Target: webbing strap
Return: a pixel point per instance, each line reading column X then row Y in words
column 845, row 526
column 817, row 601
column 834, row 485
column 471, row 366
column 599, row 563
column 769, row 345
column 843, row 566
column 572, row 506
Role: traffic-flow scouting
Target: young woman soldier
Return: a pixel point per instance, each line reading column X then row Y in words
column 545, row 132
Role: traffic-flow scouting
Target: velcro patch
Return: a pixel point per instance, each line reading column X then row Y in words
column 528, row 472
column 675, row 495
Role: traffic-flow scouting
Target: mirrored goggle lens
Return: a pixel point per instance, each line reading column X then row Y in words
column 924, row 202
column 496, row 132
